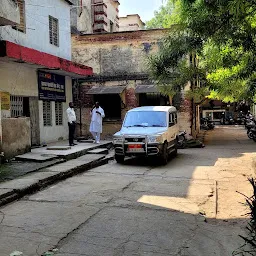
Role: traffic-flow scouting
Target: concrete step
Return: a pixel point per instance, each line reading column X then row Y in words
column 103, row 151
column 44, row 154
column 85, row 141
column 40, row 158
column 58, row 148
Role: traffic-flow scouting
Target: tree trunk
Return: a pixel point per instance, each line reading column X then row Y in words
column 170, row 100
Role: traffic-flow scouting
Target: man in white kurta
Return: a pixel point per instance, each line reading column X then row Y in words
column 97, row 114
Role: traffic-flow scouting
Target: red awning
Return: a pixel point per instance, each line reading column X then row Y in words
column 44, row 61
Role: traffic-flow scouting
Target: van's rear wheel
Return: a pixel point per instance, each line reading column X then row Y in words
column 119, row 159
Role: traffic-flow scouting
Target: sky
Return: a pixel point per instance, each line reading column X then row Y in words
column 145, row 8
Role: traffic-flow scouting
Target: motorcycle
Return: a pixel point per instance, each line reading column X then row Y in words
column 250, row 123
column 182, row 140
column 253, row 132
column 229, row 121
column 207, row 124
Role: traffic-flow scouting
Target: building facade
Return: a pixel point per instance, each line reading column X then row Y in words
column 121, row 80
column 131, row 22
column 95, row 16
column 36, row 72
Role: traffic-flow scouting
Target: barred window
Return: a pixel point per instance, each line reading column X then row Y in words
column 22, row 24
column 16, row 106
column 54, row 31
column 58, row 113
column 47, row 113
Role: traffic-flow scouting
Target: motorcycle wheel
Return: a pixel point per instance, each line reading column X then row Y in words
column 182, row 142
column 250, row 135
column 254, row 138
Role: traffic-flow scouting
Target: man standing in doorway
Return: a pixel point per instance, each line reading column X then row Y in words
column 97, row 114
column 71, row 123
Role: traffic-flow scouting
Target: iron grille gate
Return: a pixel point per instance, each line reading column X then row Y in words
column 16, row 106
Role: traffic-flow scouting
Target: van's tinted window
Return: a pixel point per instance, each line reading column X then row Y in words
column 145, row 119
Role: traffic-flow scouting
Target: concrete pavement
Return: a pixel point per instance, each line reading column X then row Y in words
column 189, row 207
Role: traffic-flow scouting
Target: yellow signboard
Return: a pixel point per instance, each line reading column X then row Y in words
column 5, row 101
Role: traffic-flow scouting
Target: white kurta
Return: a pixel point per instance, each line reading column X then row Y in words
column 96, row 122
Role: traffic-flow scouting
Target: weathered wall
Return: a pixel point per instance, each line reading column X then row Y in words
column 18, row 79
column 16, row 136
column 117, row 53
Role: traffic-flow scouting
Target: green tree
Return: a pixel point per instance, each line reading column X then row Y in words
column 221, row 34
column 162, row 17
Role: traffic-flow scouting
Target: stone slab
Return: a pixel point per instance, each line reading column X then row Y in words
column 59, row 148
column 98, row 151
column 4, row 191
column 26, row 181
column 74, row 152
column 85, row 141
column 14, row 170
column 36, row 157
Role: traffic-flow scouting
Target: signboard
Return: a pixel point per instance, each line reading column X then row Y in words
column 51, row 87
column 5, row 101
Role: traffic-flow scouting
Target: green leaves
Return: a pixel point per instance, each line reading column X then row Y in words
column 221, row 34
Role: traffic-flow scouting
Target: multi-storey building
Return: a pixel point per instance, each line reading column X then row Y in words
column 36, row 71
column 95, row 16
column 131, row 22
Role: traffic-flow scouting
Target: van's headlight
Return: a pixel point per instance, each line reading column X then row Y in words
column 118, row 140
column 154, row 139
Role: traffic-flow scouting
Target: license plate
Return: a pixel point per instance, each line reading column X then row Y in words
column 135, row 148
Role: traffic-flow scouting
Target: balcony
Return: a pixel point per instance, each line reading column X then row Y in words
column 95, row 2
column 9, row 13
column 100, row 27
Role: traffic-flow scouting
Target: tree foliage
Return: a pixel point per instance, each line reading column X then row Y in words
column 221, row 34
column 162, row 17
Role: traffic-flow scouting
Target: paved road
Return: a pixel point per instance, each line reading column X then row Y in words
column 189, row 207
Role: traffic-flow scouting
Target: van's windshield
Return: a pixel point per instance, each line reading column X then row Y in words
column 145, row 119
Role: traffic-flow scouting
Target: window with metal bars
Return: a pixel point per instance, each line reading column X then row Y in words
column 58, row 113
column 54, row 31
column 22, row 24
column 16, row 106
column 47, row 113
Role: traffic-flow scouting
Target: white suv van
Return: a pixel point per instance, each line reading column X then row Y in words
column 148, row 131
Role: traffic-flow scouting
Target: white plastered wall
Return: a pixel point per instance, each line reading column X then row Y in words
column 20, row 79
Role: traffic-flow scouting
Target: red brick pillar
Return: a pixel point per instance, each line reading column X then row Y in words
column 130, row 98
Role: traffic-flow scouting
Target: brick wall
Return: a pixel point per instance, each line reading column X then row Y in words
column 116, row 53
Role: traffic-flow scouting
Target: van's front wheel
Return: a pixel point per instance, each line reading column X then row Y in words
column 164, row 156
